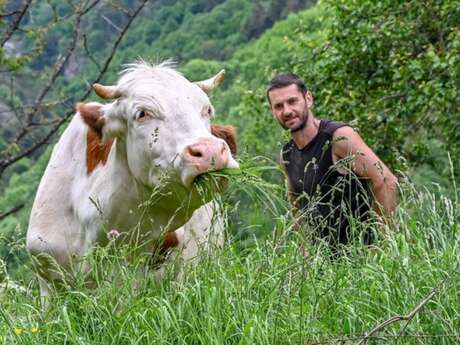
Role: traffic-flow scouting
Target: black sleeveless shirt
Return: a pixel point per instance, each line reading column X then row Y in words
column 327, row 198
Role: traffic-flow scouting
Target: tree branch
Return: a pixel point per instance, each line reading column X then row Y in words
column 15, row 209
column 30, row 106
column 88, row 53
column 57, row 69
column 15, row 24
column 6, row 15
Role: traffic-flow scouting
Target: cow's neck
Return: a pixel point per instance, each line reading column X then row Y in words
column 170, row 205
column 133, row 205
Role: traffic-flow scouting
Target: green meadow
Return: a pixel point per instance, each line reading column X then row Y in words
column 389, row 68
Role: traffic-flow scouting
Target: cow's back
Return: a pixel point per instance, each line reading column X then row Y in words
column 53, row 227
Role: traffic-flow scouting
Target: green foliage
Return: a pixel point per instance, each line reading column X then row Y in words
column 190, row 29
column 21, row 189
column 199, row 69
column 392, row 68
column 32, row 39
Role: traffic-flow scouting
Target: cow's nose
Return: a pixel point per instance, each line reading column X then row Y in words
column 207, row 155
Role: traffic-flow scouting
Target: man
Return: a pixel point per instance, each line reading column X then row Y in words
column 329, row 167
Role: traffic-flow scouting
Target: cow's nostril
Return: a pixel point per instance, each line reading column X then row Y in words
column 194, row 152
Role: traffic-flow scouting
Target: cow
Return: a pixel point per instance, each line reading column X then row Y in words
column 128, row 166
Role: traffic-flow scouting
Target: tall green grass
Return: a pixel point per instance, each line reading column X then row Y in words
column 280, row 289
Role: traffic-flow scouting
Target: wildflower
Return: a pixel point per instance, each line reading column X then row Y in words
column 34, row 330
column 113, row 234
column 18, row 331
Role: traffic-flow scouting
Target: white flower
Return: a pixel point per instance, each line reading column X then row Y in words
column 113, row 234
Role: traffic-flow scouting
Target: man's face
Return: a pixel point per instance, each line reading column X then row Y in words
column 290, row 107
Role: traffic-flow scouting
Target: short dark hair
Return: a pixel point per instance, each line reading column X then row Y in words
column 286, row 79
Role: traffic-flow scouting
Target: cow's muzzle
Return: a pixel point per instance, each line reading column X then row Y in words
column 204, row 156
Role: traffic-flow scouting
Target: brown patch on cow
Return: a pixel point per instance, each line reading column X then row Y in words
column 160, row 252
column 170, row 241
column 92, row 116
column 228, row 134
column 96, row 151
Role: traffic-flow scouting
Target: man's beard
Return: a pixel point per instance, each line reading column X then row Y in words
column 302, row 125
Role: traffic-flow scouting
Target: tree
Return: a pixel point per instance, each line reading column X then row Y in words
column 393, row 68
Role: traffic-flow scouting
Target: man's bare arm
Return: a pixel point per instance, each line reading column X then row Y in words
column 366, row 164
column 290, row 190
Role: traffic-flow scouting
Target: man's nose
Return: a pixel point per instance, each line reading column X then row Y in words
column 287, row 110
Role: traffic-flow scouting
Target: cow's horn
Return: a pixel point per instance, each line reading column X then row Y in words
column 106, row 92
column 209, row 84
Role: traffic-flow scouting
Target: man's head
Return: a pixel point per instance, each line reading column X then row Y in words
column 290, row 101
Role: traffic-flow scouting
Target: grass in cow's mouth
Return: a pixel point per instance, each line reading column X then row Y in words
column 216, row 181
column 257, row 180
column 225, row 173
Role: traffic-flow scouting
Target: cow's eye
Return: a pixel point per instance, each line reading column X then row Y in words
column 142, row 115
column 208, row 112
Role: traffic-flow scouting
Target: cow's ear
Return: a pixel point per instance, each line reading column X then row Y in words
column 91, row 114
column 228, row 134
column 95, row 117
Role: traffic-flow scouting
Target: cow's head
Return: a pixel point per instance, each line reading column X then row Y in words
column 164, row 122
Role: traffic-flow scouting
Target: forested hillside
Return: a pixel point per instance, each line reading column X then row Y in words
column 389, row 68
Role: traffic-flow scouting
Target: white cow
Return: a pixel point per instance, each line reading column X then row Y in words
column 130, row 165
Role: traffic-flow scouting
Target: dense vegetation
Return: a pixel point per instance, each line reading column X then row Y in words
column 271, row 293
column 391, row 68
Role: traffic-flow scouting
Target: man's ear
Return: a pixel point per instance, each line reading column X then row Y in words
column 92, row 115
column 309, row 99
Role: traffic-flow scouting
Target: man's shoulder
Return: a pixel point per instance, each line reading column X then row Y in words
column 330, row 126
column 346, row 132
column 347, row 140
